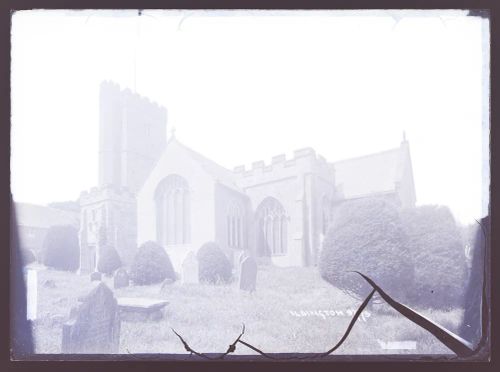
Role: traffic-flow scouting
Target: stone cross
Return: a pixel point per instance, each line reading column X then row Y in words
column 248, row 274
column 190, row 269
column 94, row 325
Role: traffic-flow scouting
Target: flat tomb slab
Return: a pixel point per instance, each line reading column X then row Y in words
column 141, row 308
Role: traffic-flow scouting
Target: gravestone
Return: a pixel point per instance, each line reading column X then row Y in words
column 248, row 274
column 238, row 259
column 94, row 324
column 190, row 269
column 95, row 276
column 120, row 279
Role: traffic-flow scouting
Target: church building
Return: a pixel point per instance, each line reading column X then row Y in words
column 154, row 189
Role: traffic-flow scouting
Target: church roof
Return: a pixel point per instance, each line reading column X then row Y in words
column 33, row 215
column 222, row 175
column 356, row 177
column 370, row 174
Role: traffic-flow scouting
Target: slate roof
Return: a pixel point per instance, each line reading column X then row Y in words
column 370, row 174
column 33, row 215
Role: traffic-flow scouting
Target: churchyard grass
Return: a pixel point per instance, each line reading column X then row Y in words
column 292, row 310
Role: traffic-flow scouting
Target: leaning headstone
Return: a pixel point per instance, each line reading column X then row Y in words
column 190, row 269
column 248, row 274
column 95, row 276
column 238, row 259
column 94, row 324
column 120, row 279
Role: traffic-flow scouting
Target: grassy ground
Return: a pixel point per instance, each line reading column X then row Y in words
column 281, row 316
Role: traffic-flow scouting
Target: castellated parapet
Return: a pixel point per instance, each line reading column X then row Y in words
column 304, row 186
column 304, row 160
column 107, row 192
column 132, row 136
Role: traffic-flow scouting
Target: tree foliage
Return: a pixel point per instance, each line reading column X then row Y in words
column 213, row 265
column 438, row 254
column 367, row 235
column 151, row 265
column 61, row 248
column 28, row 256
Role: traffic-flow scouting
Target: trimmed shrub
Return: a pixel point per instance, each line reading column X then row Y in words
column 438, row 252
column 151, row 265
column 28, row 256
column 366, row 235
column 109, row 260
column 213, row 265
column 61, row 248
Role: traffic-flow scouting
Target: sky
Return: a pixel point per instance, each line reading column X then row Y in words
column 242, row 86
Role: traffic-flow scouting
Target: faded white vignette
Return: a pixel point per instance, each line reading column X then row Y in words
column 289, row 171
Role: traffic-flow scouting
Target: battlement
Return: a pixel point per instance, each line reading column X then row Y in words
column 110, row 88
column 307, row 151
column 279, row 163
column 258, row 164
column 281, row 158
column 97, row 194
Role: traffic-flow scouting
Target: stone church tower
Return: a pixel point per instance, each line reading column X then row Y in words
column 132, row 135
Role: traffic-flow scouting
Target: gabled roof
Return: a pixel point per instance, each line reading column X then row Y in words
column 33, row 215
column 220, row 174
column 370, row 174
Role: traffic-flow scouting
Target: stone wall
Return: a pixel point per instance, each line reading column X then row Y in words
column 201, row 186
column 300, row 184
column 226, row 200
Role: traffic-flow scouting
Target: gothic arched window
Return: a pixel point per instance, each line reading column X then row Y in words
column 272, row 222
column 172, row 211
column 234, row 226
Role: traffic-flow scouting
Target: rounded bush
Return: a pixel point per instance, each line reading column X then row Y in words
column 28, row 256
column 213, row 265
column 109, row 260
column 151, row 265
column 61, row 248
column 366, row 235
column 438, row 253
